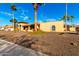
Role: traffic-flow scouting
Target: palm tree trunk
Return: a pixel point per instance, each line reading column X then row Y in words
column 35, row 16
column 35, row 20
column 13, row 21
column 66, row 15
column 66, row 10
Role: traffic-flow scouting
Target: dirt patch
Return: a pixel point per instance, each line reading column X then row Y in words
column 50, row 43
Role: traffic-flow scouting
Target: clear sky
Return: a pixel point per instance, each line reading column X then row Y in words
column 47, row 12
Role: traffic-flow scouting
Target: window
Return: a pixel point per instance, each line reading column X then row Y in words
column 53, row 28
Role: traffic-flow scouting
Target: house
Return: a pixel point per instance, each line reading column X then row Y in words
column 2, row 28
column 8, row 28
column 57, row 26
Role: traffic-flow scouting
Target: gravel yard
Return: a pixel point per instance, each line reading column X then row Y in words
column 53, row 44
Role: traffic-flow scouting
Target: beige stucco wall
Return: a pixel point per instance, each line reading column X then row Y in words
column 72, row 29
column 22, row 24
column 47, row 26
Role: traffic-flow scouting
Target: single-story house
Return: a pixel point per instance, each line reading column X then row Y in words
column 8, row 28
column 57, row 26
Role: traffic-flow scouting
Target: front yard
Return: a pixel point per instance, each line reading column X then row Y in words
column 49, row 43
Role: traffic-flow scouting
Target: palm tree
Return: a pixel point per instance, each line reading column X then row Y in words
column 71, row 18
column 36, row 5
column 13, row 7
column 65, row 18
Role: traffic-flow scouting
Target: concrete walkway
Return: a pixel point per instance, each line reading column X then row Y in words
column 11, row 49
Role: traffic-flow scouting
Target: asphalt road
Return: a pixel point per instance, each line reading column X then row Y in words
column 11, row 49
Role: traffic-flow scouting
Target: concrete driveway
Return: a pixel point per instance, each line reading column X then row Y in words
column 11, row 49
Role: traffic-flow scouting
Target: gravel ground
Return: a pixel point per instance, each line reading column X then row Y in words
column 53, row 44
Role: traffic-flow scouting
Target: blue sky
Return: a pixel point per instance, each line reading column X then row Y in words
column 47, row 12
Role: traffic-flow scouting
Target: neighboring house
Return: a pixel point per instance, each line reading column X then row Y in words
column 2, row 28
column 8, row 28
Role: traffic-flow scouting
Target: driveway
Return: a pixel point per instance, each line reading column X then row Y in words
column 11, row 49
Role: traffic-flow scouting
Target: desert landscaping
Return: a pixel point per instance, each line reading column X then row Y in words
column 50, row 43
